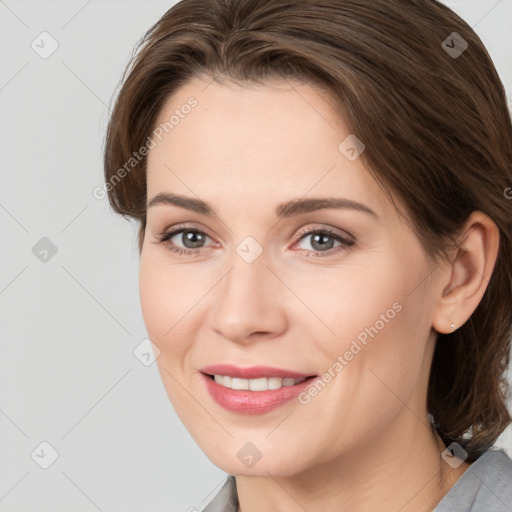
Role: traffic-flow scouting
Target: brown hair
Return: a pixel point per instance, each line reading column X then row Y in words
column 436, row 127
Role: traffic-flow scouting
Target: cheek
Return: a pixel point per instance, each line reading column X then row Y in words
column 153, row 302
column 168, row 304
column 359, row 301
column 383, row 359
column 378, row 323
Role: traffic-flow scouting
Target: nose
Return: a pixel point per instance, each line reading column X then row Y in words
column 249, row 302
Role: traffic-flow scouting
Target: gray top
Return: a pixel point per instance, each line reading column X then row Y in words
column 486, row 486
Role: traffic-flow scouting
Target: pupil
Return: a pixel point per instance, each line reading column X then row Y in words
column 194, row 238
column 319, row 237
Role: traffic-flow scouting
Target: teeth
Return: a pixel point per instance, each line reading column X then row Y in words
column 262, row 384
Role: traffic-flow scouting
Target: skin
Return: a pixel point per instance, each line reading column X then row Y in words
column 364, row 442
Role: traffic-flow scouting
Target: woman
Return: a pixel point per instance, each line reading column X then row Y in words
column 323, row 191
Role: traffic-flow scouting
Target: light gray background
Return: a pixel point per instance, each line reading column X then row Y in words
column 69, row 326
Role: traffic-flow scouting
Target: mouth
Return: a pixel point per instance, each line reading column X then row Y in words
column 254, row 390
column 258, row 384
column 252, row 372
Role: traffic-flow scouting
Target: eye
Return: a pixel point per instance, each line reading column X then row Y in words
column 192, row 240
column 322, row 241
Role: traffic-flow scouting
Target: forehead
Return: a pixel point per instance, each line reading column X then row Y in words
column 278, row 140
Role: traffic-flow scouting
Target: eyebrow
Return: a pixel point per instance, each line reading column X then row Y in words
column 283, row 210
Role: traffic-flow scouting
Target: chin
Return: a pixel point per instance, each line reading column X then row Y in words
column 235, row 458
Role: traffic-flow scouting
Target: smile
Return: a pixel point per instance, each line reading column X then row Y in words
column 255, row 390
column 261, row 384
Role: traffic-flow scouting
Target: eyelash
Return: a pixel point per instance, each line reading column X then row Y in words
column 346, row 243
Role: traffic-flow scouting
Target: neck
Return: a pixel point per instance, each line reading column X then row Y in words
column 401, row 470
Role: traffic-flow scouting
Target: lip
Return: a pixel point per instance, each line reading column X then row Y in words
column 243, row 401
column 253, row 372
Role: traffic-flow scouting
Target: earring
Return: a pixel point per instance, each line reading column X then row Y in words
column 452, row 325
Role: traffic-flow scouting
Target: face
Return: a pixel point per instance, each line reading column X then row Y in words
column 332, row 292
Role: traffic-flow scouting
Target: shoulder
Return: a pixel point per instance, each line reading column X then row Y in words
column 226, row 500
column 486, row 486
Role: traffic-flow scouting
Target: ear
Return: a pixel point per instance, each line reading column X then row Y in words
column 466, row 278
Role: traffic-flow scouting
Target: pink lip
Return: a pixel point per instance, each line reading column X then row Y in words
column 243, row 401
column 253, row 372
